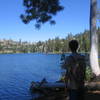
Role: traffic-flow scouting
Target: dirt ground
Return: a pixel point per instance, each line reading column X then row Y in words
column 92, row 95
column 95, row 95
column 88, row 96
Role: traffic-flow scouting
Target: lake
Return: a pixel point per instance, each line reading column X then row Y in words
column 17, row 71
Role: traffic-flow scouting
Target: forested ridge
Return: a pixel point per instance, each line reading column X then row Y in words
column 56, row 45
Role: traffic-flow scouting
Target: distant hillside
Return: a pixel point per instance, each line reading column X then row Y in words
column 56, row 45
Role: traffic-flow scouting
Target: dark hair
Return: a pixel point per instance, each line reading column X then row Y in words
column 73, row 45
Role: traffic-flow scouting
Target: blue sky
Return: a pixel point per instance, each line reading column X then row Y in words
column 74, row 18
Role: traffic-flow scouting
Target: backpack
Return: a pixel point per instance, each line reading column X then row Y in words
column 77, row 71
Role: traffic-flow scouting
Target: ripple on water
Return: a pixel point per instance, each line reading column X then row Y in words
column 18, row 70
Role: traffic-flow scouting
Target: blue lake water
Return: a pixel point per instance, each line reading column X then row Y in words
column 17, row 71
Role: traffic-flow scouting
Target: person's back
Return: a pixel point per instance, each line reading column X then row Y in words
column 76, row 71
column 75, row 67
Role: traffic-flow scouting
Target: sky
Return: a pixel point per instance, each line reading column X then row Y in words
column 73, row 19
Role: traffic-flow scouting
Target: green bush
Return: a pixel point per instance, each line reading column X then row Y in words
column 88, row 74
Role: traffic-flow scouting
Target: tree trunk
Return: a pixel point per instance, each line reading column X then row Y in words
column 94, row 39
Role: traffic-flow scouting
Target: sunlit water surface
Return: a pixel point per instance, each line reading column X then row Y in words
column 17, row 71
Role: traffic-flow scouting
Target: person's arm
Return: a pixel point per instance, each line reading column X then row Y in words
column 66, row 63
column 66, row 66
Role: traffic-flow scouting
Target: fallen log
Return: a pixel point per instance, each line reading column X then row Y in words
column 56, row 90
column 48, row 87
column 93, row 86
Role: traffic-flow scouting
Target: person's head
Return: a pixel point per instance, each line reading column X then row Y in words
column 73, row 45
